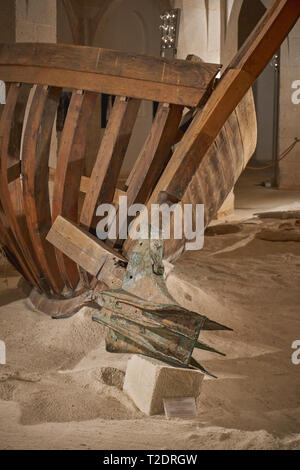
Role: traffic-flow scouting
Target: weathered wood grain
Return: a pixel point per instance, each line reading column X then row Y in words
column 11, row 191
column 109, row 62
column 70, row 164
column 106, row 71
column 110, row 157
column 35, row 171
column 80, row 246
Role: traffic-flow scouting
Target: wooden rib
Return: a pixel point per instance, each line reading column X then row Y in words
column 110, row 158
column 155, row 153
column 10, row 192
column 112, row 72
column 70, row 164
column 11, row 245
column 35, row 172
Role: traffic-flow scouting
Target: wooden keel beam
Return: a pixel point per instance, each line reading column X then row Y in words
column 155, row 153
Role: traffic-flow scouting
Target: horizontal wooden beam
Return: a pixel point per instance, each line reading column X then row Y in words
column 105, row 71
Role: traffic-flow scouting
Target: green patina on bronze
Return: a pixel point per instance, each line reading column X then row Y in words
column 155, row 324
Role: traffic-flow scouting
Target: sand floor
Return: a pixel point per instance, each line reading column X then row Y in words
column 61, row 390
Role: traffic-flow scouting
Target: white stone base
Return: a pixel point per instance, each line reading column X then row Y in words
column 148, row 382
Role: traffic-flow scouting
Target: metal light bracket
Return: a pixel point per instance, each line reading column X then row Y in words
column 169, row 28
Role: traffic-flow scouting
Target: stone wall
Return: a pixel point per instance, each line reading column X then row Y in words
column 35, row 21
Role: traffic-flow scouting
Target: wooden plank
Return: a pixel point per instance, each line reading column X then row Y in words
column 35, row 173
column 11, row 245
column 110, row 157
column 140, row 89
column 80, row 246
column 155, row 153
column 111, row 63
column 70, row 164
column 10, row 192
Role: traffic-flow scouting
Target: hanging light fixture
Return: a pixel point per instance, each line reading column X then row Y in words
column 169, row 28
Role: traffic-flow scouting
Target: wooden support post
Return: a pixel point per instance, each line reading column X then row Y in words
column 81, row 247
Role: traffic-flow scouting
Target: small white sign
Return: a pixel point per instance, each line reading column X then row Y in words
column 2, row 92
column 2, row 353
column 296, row 94
column 180, row 407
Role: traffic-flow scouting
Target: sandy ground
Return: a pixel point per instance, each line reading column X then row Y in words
column 61, row 390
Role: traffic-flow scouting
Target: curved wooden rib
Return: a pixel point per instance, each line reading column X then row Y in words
column 10, row 192
column 110, row 158
column 11, row 247
column 155, row 153
column 68, row 173
column 35, row 173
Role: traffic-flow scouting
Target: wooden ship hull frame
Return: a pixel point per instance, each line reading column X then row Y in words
column 187, row 158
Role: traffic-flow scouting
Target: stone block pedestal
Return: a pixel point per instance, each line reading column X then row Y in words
column 148, row 382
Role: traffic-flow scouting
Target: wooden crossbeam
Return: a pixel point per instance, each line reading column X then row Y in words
column 155, row 153
column 80, row 246
column 106, row 71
